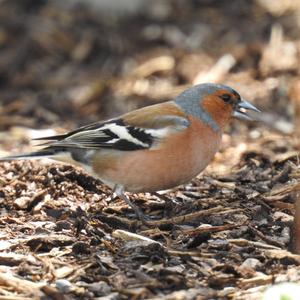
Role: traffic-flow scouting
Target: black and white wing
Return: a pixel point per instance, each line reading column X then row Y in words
column 118, row 134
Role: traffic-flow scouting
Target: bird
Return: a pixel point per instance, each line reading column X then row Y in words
column 153, row 148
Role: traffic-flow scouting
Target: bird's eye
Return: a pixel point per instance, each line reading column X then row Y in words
column 226, row 97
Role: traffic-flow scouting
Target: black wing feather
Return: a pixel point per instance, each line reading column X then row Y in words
column 114, row 134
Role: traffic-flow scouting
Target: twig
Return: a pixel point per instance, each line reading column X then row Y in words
column 296, row 225
column 209, row 229
column 175, row 220
column 21, row 285
column 265, row 238
column 129, row 236
column 193, row 216
column 244, row 242
column 255, row 281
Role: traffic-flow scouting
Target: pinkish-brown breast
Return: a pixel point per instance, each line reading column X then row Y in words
column 175, row 162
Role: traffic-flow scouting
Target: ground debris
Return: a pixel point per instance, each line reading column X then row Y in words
column 224, row 235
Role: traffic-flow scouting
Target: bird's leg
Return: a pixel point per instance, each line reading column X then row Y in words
column 119, row 190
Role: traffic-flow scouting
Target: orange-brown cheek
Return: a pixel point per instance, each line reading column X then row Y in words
column 218, row 110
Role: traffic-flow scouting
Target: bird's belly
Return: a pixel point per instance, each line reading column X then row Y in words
column 153, row 173
column 158, row 169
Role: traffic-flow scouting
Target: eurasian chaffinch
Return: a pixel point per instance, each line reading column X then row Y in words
column 153, row 148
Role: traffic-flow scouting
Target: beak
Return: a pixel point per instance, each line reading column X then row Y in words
column 241, row 110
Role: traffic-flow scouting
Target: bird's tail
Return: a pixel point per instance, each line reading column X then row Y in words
column 32, row 155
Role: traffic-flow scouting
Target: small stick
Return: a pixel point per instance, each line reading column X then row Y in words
column 296, row 225
column 129, row 236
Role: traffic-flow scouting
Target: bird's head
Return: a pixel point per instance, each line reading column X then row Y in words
column 215, row 104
